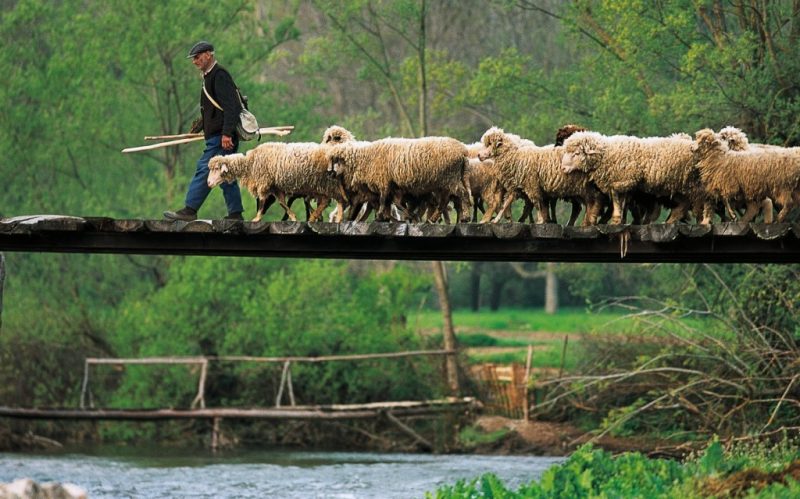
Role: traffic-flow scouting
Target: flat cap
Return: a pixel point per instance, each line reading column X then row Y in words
column 199, row 48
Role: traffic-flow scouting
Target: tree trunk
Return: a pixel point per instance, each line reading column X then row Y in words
column 475, row 286
column 496, row 293
column 449, row 331
column 2, row 280
column 551, row 290
column 423, row 77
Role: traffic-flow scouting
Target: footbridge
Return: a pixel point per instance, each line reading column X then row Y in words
column 680, row 243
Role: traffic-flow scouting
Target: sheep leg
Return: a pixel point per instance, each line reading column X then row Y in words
column 573, row 215
column 322, row 203
column 786, row 208
column 729, row 209
column 282, row 200
column 542, row 211
column 751, row 211
column 551, row 204
column 510, row 196
column 593, row 209
column 618, row 200
column 767, row 210
column 678, row 213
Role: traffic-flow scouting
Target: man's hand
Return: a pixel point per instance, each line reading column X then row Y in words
column 227, row 142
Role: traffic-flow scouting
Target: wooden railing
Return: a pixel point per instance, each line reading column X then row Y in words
column 286, row 374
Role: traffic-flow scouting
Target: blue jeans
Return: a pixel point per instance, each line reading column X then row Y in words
column 198, row 187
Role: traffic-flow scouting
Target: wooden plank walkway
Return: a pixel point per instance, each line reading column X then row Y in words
column 313, row 412
column 720, row 243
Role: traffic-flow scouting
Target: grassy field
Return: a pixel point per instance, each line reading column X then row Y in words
column 502, row 336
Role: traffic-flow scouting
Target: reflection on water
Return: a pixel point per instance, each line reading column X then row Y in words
column 153, row 473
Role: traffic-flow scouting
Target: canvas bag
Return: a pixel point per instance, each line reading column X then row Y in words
column 247, row 128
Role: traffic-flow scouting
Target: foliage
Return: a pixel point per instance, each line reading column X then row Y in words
column 736, row 375
column 592, row 472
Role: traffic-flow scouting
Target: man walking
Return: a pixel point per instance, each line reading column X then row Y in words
column 219, row 108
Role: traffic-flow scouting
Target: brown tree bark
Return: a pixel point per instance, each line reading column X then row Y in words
column 449, row 333
column 551, row 289
column 475, row 286
column 2, row 280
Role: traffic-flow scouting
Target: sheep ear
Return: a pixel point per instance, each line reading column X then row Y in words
column 224, row 168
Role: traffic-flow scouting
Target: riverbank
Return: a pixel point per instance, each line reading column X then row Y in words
column 545, row 438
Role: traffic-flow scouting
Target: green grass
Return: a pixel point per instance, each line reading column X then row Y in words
column 541, row 358
column 567, row 320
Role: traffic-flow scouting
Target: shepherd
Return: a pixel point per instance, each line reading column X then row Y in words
column 219, row 132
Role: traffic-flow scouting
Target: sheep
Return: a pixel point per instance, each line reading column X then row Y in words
column 737, row 141
column 484, row 184
column 753, row 174
column 566, row 132
column 336, row 135
column 403, row 169
column 621, row 165
column 536, row 172
column 281, row 169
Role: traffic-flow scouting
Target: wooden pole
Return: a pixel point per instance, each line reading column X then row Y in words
column 563, row 356
column 188, row 135
column 407, row 429
column 2, row 281
column 201, row 387
column 449, row 332
column 263, row 131
column 162, row 144
column 85, row 383
column 528, row 362
column 215, row 435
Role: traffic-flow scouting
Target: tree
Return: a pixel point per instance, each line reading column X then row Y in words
column 2, row 282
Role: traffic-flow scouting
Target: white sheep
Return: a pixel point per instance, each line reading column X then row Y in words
column 620, row 165
column 753, row 175
column 281, row 169
column 536, row 173
column 399, row 170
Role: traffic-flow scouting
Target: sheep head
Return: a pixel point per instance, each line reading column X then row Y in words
column 495, row 144
column 336, row 135
column 582, row 151
column 219, row 169
column 566, row 132
column 336, row 163
column 706, row 142
column 735, row 138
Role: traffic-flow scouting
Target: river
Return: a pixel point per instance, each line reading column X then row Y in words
column 159, row 473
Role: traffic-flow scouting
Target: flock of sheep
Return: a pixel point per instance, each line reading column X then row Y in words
column 608, row 177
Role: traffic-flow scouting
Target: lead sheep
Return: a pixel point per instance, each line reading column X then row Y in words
column 281, row 169
column 536, row 173
column 621, row 165
column 396, row 169
column 753, row 174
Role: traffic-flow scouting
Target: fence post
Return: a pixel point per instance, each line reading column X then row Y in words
column 526, row 406
column 85, row 383
column 563, row 357
column 201, row 386
column 284, row 374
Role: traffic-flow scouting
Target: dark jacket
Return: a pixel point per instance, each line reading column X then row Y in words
column 220, row 85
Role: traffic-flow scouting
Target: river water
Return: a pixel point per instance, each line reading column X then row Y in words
column 159, row 473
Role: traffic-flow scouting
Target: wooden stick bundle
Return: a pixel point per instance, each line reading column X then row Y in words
column 192, row 137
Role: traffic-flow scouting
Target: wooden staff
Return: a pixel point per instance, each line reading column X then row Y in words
column 279, row 130
column 191, row 135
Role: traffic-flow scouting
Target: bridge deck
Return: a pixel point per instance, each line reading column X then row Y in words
column 719, row 243
column 340, row 411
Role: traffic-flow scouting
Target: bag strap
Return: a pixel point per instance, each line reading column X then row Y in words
column 238, row 96
column 212, row 99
